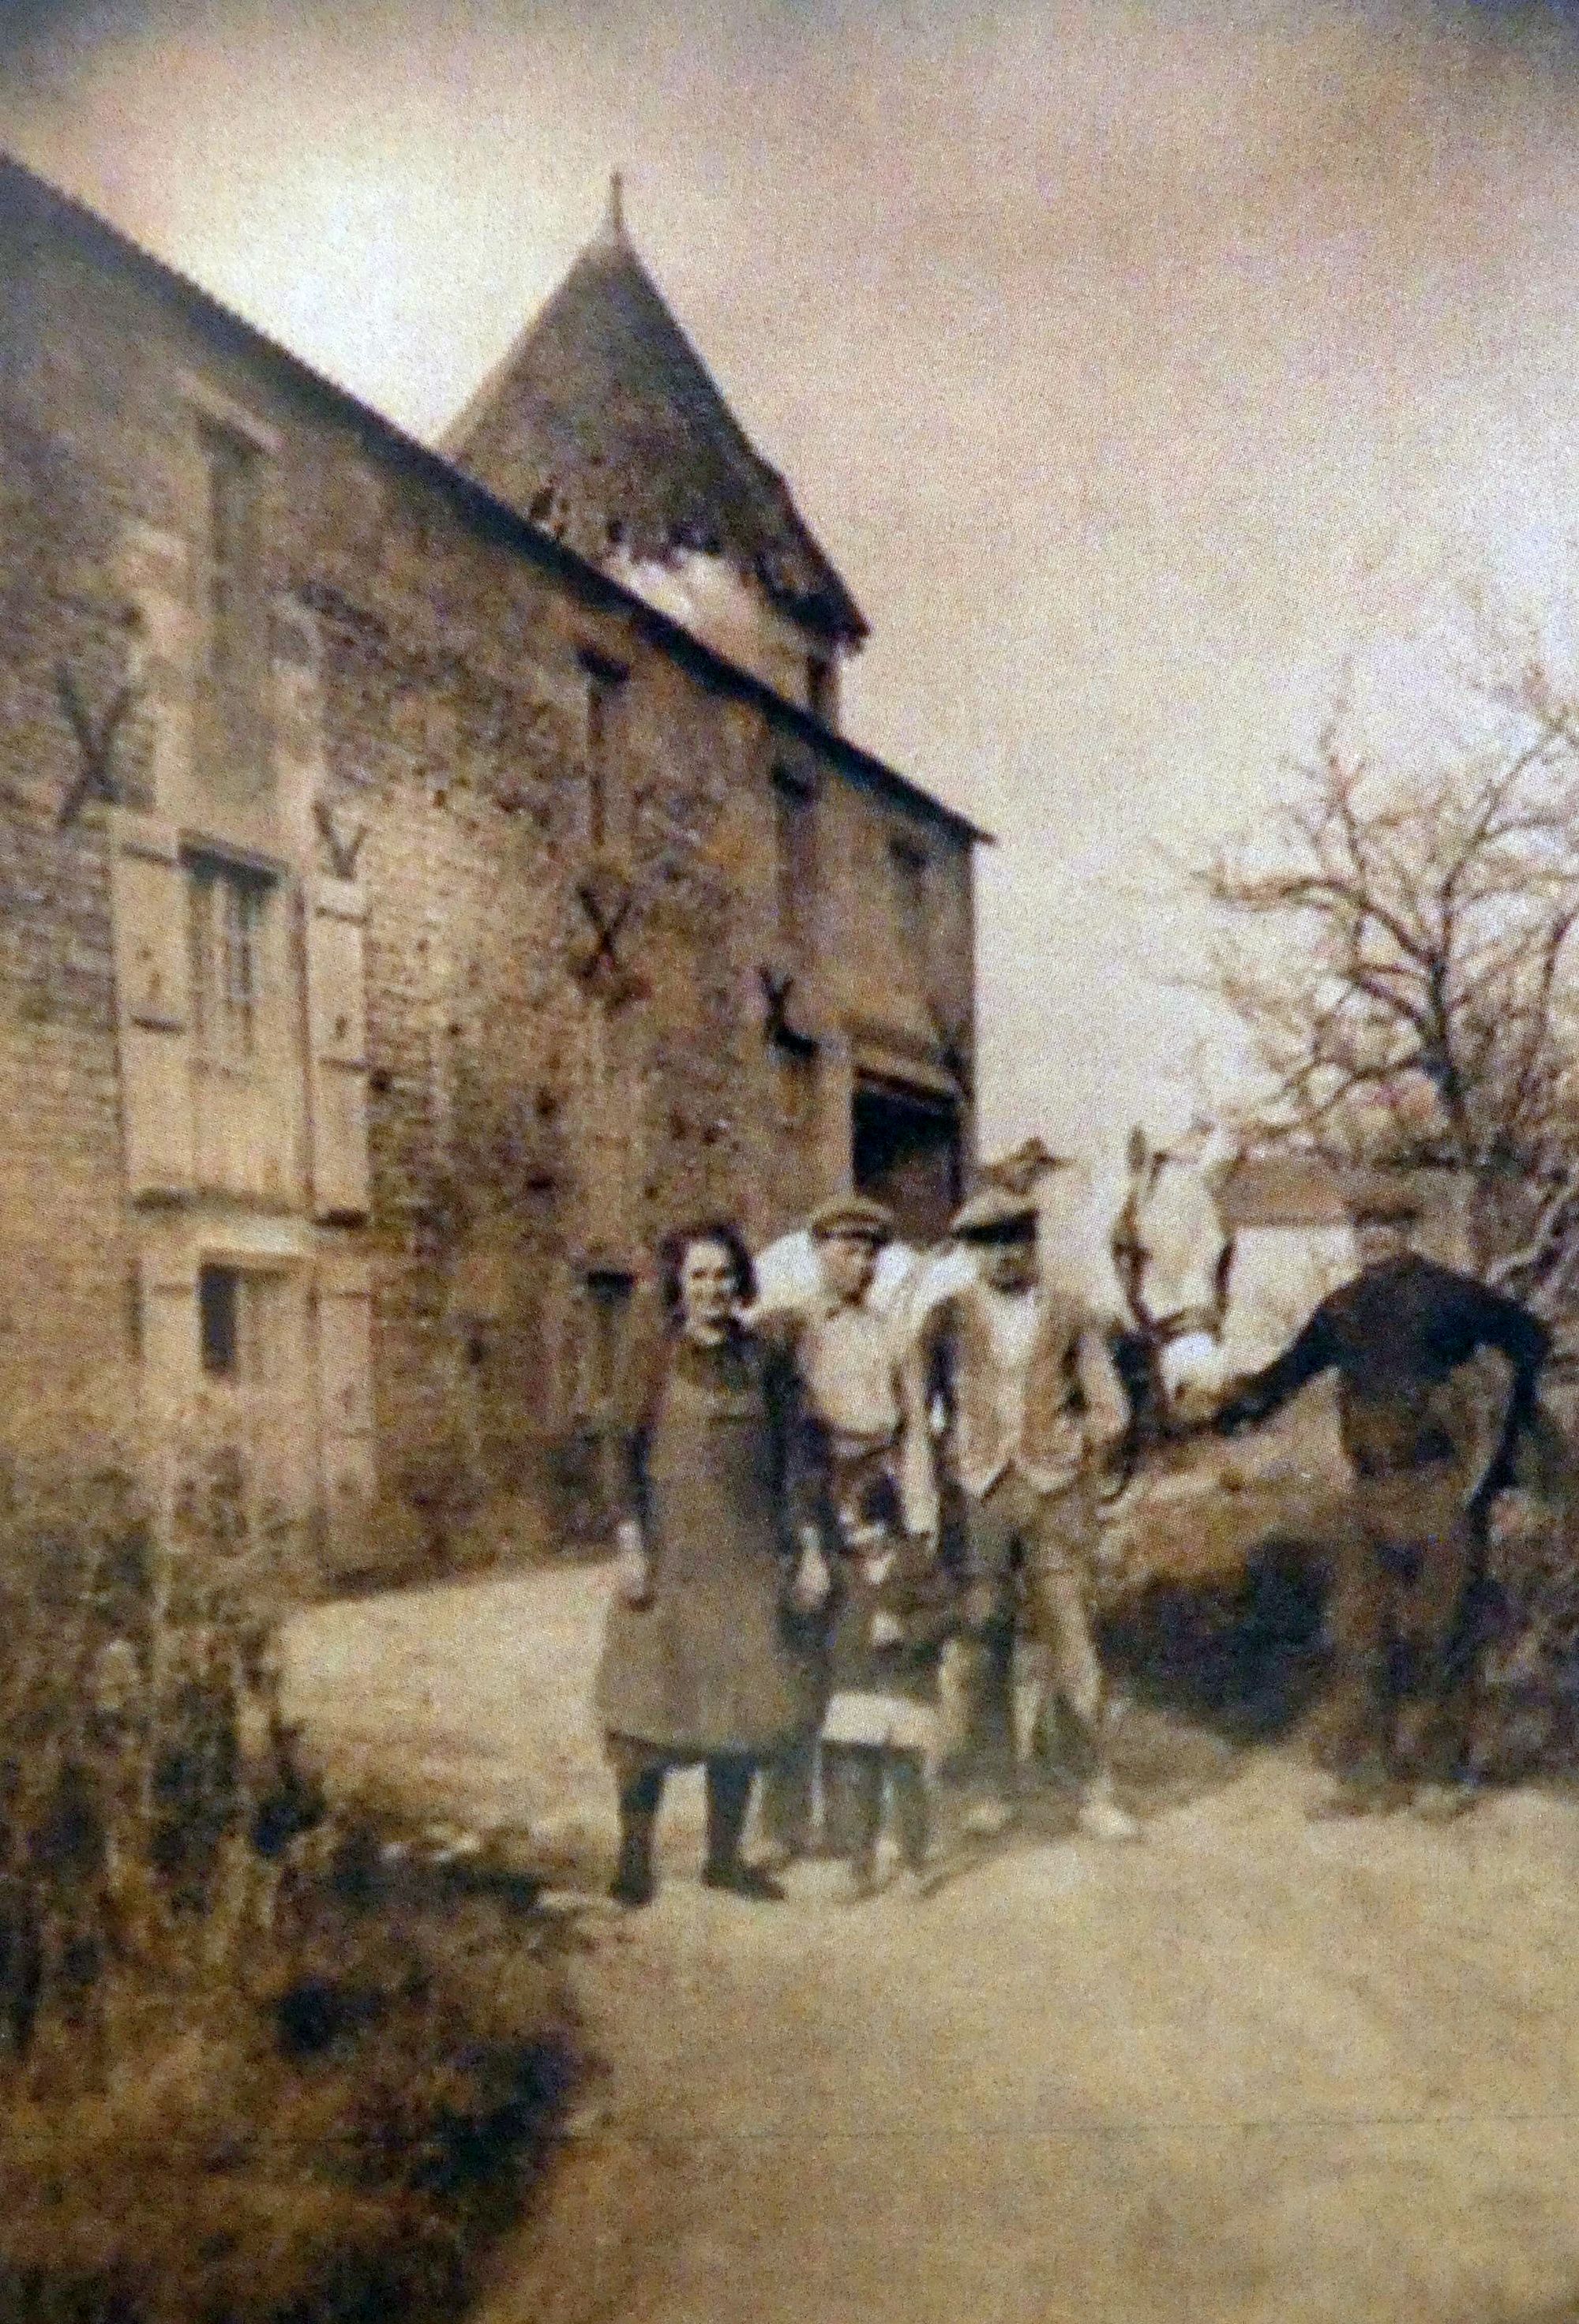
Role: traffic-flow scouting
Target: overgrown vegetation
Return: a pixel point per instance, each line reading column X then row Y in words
column 253, row 2071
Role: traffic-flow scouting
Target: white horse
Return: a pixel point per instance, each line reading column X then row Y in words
column 1140, row 1240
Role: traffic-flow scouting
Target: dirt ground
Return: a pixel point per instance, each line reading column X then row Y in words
column 1252, row 2071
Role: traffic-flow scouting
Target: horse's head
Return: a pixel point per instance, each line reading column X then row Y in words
column 1173, row 1256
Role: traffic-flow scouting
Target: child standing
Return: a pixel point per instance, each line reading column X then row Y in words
column 895, row 1608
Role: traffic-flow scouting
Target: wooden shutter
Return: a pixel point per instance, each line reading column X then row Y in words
column 167, row 1324
column 154, row 1007
column 277, row 1368
column 337, row 1014
column 345, row 1378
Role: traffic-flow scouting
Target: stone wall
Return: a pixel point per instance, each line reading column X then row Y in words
column 573, row 911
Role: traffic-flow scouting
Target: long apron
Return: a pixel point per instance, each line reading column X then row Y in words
column 709, row 1664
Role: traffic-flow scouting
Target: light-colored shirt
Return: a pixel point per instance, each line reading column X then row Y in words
column 848, row 1364
column 1012, row 1324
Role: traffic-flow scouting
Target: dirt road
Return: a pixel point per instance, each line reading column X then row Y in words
column 1251, row 2071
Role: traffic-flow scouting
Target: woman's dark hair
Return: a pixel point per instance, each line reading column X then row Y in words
column 674, row 1246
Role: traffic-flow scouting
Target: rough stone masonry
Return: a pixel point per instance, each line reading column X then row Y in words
column 404, row 920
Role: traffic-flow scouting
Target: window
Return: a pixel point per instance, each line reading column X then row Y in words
column 220, row 1321
column 795, row 858
column 232, row 547
column 239, row 1323
column 606, row 689
column 250, row 1351
column 908, row 1151
column 822, row 689
column 233, row 652
column 608, row 1293
column 226, row 907
column 912, row 903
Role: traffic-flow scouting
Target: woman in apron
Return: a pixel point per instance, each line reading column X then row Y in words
column 721, row 1569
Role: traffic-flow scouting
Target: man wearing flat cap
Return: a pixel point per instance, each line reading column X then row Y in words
column 1032, row 1408
column 845, row 1354
column 1398, row 1336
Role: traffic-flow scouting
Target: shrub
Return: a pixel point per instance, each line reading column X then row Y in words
column 247, row 2081
column 239, row 2175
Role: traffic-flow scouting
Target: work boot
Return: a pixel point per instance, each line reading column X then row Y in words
column 737, row 1878
column 1359, row 1795
column 1101, row 1817
column 1436, row 1803
column 634, row 1885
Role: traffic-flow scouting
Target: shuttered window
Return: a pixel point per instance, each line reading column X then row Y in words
column 220, row 1321
column 170, row 1339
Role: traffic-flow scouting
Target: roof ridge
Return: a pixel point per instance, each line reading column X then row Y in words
column 485, row 506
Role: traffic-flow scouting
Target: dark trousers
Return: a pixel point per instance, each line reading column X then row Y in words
column 788, row 1798
column 640, row 1774
column 1396, row 1622
column 855, row 1776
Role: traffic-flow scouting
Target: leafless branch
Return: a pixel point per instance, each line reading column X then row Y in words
column 1399, row 958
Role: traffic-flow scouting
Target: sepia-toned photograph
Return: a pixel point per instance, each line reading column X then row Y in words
column 788, row 1162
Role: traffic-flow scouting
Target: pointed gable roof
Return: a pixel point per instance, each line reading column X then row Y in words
column 603, row 425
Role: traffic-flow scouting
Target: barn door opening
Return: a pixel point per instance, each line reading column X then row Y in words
column 907, row 1151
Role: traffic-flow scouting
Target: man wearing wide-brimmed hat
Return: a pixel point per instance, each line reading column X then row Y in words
column 1032, row 1406
column 1398, row 1336
column 848, row 1361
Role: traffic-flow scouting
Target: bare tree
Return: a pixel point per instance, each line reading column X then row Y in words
column 1399, row 944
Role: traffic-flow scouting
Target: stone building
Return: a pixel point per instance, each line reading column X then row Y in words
column 425, row 876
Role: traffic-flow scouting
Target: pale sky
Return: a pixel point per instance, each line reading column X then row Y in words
column 1135, row 364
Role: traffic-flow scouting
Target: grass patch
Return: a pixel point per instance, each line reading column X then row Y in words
column 341, row 2143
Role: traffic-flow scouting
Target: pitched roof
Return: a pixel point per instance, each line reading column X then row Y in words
column 30, row 204
column 603, row 425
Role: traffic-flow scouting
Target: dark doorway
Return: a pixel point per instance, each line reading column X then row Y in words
column 906, row 1153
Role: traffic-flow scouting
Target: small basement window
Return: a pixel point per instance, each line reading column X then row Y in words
column 220, row 1321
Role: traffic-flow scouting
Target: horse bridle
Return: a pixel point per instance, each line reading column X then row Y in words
column 1160, row 1332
